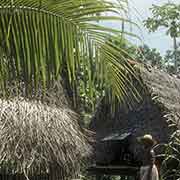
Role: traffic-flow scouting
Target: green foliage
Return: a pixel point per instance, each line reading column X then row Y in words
column 91, row 96
column 150, row 56
column 168, row 16
column 169, row 60
column 45, row 40
column 128, row 49
column 171, row 165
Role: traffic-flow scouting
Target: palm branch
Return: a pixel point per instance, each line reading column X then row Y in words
column 41, row 38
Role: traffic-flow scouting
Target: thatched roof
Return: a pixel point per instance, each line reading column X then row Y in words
column 160, row 105
column 166, row 87
column 37, row 138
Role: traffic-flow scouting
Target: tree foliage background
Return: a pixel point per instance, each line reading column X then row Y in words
column 166, row 16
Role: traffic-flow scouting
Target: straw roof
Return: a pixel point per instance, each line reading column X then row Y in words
column 40, row 137
column 165, row 87
column 159, row 107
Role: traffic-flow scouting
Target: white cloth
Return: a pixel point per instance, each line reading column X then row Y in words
column 144, row 173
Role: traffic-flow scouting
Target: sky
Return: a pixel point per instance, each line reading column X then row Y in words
column 139, row 11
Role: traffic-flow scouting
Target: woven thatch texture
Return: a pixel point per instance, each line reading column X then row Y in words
column 165, row 86
column 35, row 138
column 54, row 94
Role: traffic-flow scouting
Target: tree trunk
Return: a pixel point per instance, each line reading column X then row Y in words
column 175, row 53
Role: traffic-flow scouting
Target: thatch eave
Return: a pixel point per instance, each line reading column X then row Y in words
column 165, row 86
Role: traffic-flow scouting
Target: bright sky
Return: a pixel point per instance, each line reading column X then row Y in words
column 139, row 11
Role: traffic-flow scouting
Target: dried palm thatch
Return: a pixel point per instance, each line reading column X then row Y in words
column 54, row 94
column 165, row 88
column 159, row 107
column 36, row 138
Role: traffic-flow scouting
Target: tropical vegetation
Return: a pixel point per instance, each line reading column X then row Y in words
column 43, row 41
column 166, row 16
column 48, row 43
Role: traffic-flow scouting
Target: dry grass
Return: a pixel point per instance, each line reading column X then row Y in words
column 165, row 89
column 53, row 94
column 35, row 137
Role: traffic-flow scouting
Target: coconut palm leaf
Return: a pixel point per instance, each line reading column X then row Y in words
column 41, row 38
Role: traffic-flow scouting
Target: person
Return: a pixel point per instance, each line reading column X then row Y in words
column 148, row 170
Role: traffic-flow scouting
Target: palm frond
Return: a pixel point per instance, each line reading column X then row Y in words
column 42, row 38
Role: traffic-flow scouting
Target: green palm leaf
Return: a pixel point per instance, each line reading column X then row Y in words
column 42, row 38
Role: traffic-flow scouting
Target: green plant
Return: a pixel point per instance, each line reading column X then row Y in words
column 45, row 40
column 166, row 16
column 150, row 56
column 170, row 168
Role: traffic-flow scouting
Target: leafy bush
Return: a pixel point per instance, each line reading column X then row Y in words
column 170, row 168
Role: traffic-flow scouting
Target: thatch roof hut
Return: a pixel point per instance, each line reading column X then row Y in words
column 159, row 107
column 40, row 138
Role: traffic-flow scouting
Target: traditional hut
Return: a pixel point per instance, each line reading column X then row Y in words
column 40, row 139
column 116, row 131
